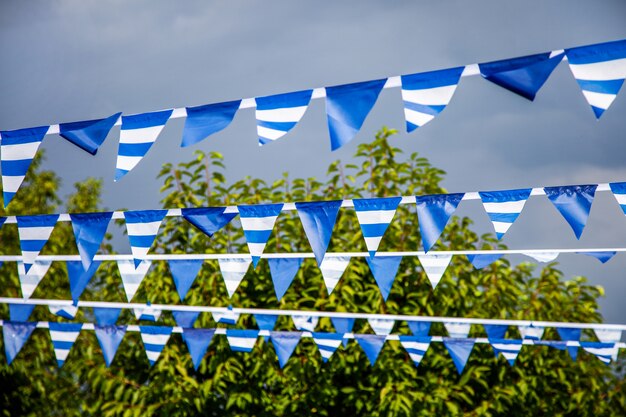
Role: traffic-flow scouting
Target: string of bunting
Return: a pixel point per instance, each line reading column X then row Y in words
column 599, row 69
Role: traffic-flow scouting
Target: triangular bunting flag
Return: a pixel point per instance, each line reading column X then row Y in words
column 305, row 323
column 381, row 326
column 90, row 134
column 197, row 341
column 257, row 223
column 603, row 256
column 17, row 150
column 332, row 270
column 347, row 106
column 137, row 135
column 531, row 332
column 434, row 266
column 131, row 276
column 233, row 270
column 504, row 207
column 20, row 312
column 569, row 335
column 106, row 316
column 109, row 338
column 603, row 351
column 374, row 215
column 283, row 271
column 208, row 220
column 241, row 340
column 284, row 345
column 509, row 348
column 30, row 281
column 608, row 335
column 384, row 270
column 147, row 313
column 184, row 273
column 542, row 256
column 34, row 232
column 318, row 220
column 574, row 203
column 523, row 75
column 371, row 344
column 227, row 317
column 266, row 322
column 495, row 331
column 63, row 336
column 185, row 319
column 419, row 328
column 65, row 311
column 143, row 227
column 619, row 191
column 433, row 213
column 89, row 230
column 154, row 340
column 458, row 330
column 327, row 343
column 277, row 115
column 416, row 347
column 79, row 277
column 480, row 261
column 600, row 71
column 15, row 336
column 203, row 121
column 460, row 350
column 343, row 325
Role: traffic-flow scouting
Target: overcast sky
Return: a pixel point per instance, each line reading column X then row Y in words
column 75, row 60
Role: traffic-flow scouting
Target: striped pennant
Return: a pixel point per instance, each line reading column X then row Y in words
column 426, row 94
column 17, row 150
column 241, row 340
column 381, row 326
column 109, row 337
column 184, row 273
column 197, row 341
column 233, row 270
column 284, row 345
column 137, row 135
column 507, row 347
column 603, row 351
column 63, row 336
column 332, row 270
column 143, row 227
column 257, row 222
column 434, row 266
column 154, row 340
column 574, row 204
column 504, row 207
column 305, row 323
column 542, row 256
column 433, row 213
column 619, row 191
column 15, row 335
column 29, row 281
column 276, row 115
column 416, row 347
column 34, row 232
column 374, row 215
column 600, row 71
column 458, row 330
column 459, row 350
column 132, row 276
column 66, row 311
column 608, row 335
column 531, row 332
column 228, row 317
column 147, row 313
column 327, row 343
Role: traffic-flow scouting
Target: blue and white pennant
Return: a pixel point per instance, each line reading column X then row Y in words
column 276, row 115
column 374, row 215
column 154, row 340
column 63, row 336
column 233, row 270
column 327, row 343
column 34, row 232
column 29, row 281
column 257, row 222
column 132, row 276
column 508, row 348
column 504, row 207
column 416, row 347
column 143, row 227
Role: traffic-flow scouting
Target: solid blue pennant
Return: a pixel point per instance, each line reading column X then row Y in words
column 602, row 256
column 433, row 213
column 90, row 134
column 106, row 316
column 495, row 331
column 208, row 220
column 15, row 336
column 371, row 344
column 460, row 350
column 574, row 203
column 197, row 341
column 203, row 121
column 343, row 325
column 318, row 220
column 89, row 230
column 185, row 319
column 266, row 322
column 109, row 337
column 479, row 261
column 284, row 345
column 419, row 328
column 79, row 277
column 184, row 273
column 384, row 270
column 283, row 271
column 20, row 312
column 567, row 335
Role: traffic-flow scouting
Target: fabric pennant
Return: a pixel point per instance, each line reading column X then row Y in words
column 347, row 106
column 88, row 135
column 137, row 134
column 132, row 276
column 433, row 213
column 480, row 261
column 185, row 319
column 197, row 341
column 434, row 266
column 276, row 115
column 460, row 350
column 154, row 340
column 600, row 71
column 318, row 220
column 504, row 207
column 543, row 256
column 327, row 343
column 619, row 192
column 2, row 220
column 143, row 227
column 574, row 203
column 608, row 335
column 233, row 271
column 603, row 351
column 374, row 215
column 228, row 317
column 384, row 270
column 419, row 328
column 343, row 325
column 147, row 313
column 63, row 336
column 208, row 220
column 266, row 321
column 29, row 281
column 305, row 323
column 284, row 345
column 109, row 338
column 203, row 121
column 106, row 316
column 34, row 232
column 458, row 330
column 523, row 75
column 17, row 150
column 257, row 222
column 66, row 311
column 531, row 332
column 507, row 347
column 20, row 312
column 184, row 273
column 89, row 230
column 381, row 326
column 283, row 271
column 371, row 344
column 495, row 331
column 567, row 335
column 79, row 277
column 242, row 340
column 332, row 270
column 416, row 347
column 15, row 335
column 602, row 256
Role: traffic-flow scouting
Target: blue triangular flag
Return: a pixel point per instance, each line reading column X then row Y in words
column 495, row 331
column 266, row 322
column 343, row 325
column 574, row 203
column 384, row 270
column 523, row 75
column 197, row 341
column 509, row 348
column 318, row 220
column 90, row 134
column 284, row 345
column 208, row 220
column 15, row 336
column 241, row 340
column 34, row 232
column 63, row 336
column 276, row 115
column 185, row 319
column 480, row 261
column 347, row 106
column 89, row 230
column 79, row 277
column 567, row 335
column 617, row 188
column 327, row 343
column 203, row 121
column 371, row 344
column 416, row 347
column 504, row 207
column 109, row 338
column 154, row 340
column 419, row 328
column 184, row 273
column 433, row 213
column 374, row 215
column 257, row 222
column 106, row 316
column 142, row 227
column 460, row 350
column 602, row 256
column 283, row 271
column 20, row 312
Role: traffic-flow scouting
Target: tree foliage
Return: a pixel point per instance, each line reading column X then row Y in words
column 542, row 382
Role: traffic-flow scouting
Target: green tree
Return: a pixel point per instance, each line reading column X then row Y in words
column 542, row 382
